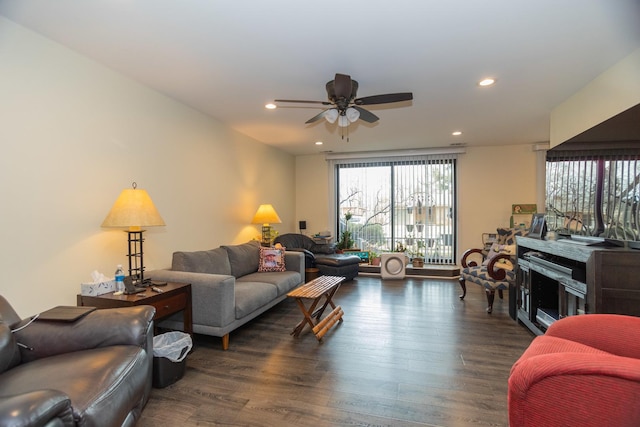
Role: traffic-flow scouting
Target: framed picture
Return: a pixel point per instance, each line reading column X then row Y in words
column 538, row 226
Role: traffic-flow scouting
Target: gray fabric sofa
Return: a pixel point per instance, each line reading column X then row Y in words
column 95, row 371
column 227, row 289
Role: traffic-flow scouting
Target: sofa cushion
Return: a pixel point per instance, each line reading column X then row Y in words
column 243, row 258
column 9, row 351
column 497, row 249
column 284, row 281
column 507, row 236
column 271, row 259
column 214, row 261
column 252, row 295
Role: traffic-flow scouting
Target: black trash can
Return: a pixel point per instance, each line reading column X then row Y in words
column 170, row 357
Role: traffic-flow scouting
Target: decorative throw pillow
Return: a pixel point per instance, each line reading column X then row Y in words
column 271, row 259
column 498, row 249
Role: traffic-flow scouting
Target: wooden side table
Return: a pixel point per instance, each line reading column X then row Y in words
column 315, row 290
column 174, row 298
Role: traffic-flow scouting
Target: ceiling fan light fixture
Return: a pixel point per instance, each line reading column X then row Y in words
column 271, row 106
column 352, row 114
column 343, row 121
column 331, row 115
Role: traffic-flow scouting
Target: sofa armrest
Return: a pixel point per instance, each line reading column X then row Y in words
column 613, row 333
column 294, row 261
column 213, row 298
column 37, row 408
column 100, row 328
column 581, row 389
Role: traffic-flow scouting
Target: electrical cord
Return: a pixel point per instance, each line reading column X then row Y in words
column 21, row 328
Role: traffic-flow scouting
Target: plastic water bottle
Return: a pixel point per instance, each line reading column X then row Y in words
column 119, row 278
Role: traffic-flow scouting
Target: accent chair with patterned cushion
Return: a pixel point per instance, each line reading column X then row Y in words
column 493, row 270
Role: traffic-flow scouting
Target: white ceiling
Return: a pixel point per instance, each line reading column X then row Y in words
column 229, row 58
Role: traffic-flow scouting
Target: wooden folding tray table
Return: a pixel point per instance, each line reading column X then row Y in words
column 323, row 286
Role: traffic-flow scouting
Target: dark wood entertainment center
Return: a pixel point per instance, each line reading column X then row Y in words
column 564, row 278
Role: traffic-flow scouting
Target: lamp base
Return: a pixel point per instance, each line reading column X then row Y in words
column 266, row 235
column 136, row 269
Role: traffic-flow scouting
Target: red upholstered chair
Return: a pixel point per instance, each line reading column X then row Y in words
column 585, row 371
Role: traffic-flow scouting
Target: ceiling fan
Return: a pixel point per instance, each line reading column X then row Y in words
column 345, row 107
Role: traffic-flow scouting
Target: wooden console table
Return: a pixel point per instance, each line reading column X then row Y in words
column 174, row 297
column 323, row 286
column 563, row 278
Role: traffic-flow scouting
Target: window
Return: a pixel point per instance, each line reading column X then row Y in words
column 594, row 193
column 405, row 204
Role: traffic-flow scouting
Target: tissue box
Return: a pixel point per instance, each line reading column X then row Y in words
column 97, row 288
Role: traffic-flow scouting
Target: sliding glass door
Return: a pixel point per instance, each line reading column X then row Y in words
column 403, row 205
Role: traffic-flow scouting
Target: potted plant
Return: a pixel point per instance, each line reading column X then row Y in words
column 409, row 228
column 374, row 258
column 345, row 241
column 418, row 260
column 401, row 248
column 409, row 240
column 419, row 204
column 419, row 226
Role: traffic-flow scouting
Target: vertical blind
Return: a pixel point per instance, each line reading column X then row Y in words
column 594, row 193
column 404, row 204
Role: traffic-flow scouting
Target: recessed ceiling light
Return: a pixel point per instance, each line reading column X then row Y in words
column 271, row 106
column 456, row 133
column 486, row 82
column 318, row 142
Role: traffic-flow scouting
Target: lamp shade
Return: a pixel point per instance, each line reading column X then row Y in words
column 331, row 115
column 133, row 209
column 352, row 114
column 266, row 214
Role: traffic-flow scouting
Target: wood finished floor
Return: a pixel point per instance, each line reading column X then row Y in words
column 409, row 353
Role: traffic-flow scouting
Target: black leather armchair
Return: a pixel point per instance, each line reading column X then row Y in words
column 94, row 371
column 322, row 256
column 301, row 243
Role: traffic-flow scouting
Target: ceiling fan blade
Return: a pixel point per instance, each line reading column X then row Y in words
column 384, row 99
column 342, row 86
column 302, row 101
column 365, row 115
column 317, row 116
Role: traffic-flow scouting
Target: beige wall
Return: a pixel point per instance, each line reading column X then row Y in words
column 612, row 92
column 74, row 134
column 312, row 193
column 490, row 180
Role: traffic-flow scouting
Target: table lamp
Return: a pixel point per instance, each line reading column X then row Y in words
column 266, row 215
column 133, row 210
